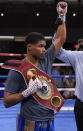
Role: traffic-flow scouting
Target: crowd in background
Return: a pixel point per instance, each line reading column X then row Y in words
column 64, row 82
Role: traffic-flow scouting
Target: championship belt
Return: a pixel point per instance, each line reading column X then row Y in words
column 48, row 95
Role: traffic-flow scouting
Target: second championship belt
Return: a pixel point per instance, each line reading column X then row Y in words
column 48, row 95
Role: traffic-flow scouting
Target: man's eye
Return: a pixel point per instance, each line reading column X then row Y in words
column 42, row 45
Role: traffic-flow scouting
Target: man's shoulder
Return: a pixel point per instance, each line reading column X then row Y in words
column 14, row 73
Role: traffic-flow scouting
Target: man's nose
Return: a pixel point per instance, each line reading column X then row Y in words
column 44, row 50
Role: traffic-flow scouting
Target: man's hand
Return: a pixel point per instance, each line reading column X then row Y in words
column 62, row 10
column 32, row 87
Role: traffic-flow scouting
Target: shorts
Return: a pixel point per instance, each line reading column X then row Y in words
column 31, row 125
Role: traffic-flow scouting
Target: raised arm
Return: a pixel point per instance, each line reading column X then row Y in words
column 61, row 30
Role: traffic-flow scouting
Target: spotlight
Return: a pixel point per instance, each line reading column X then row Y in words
column 37, row 14
column 2, row 14
column 74, row 14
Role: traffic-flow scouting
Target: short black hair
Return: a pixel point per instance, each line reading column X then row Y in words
column 33, row 38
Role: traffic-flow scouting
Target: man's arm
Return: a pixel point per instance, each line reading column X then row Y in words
column 61, row 31
column 11, row 99
column 60, row 37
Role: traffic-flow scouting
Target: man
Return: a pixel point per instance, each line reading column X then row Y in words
column 35, row 117
column 75, row 59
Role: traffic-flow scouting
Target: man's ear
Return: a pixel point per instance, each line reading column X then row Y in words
column 29, row 47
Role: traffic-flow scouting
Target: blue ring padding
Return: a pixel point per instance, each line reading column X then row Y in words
column 63, row 76
column 53, row 76
column 3, row 77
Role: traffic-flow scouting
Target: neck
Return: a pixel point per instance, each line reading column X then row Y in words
column 32, row 59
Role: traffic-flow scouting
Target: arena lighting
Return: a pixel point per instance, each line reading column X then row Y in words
column 2, row 14
column 37, row 14
column 74, row 14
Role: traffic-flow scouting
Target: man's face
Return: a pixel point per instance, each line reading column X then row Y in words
column 38, row 50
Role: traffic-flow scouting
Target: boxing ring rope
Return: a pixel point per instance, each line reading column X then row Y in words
column 64, row 76
column 2, row 88
column 53, row 76
column 20, row 55
column 59, row 89
column 11, row 54
column 18, row 38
